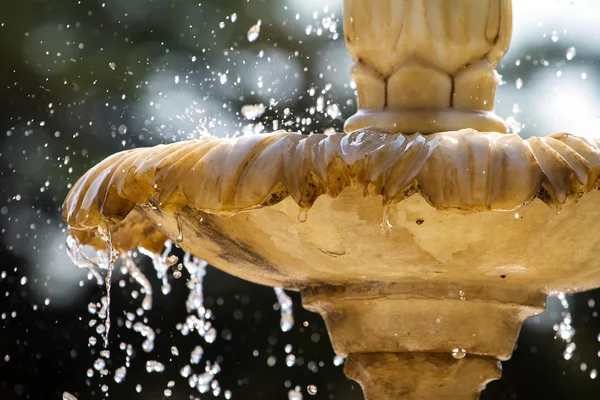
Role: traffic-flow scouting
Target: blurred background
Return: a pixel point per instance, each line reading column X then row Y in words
column 82, row 79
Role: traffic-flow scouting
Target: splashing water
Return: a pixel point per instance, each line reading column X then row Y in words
column 161, row 263
column 81, row 260
column 197, row 320
column 565, row 330
column 285, row 306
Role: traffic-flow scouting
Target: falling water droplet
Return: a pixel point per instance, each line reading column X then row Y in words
column 68, row 396
column 179, row 228
column 311, row 389
column 294, row 395
column 285, row 307
column 254, row 31
column 571, row 53
column 519, row 83
column 338, row 360
column 120, row 374
column 111, row 264
column 459, row 354
column 290, row 360
column 154, row 366
column 302, row 215
column 386, row 227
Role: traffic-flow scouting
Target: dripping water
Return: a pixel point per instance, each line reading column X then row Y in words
column 110, row 266
column 140, row 278
column 302, row 215
column 81, row 260
column 161, row 263
column 285, row 307
column 179, row 228
column 386, row 227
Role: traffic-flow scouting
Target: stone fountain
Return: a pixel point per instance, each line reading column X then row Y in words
column 425, row 235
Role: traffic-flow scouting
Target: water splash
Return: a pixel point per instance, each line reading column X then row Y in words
column 81, row 260
column 565, row 330
column 285, row 306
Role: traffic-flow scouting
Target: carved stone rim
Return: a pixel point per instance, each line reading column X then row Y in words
column 464, row 171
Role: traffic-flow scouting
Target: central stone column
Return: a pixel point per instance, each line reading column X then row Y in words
column 423, row 340
column 426, row 65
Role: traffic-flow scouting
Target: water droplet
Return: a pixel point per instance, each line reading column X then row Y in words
column 179, row 228
column 120, row 374
column 311, row 389
column 555, row 38
column 99, row 364
column 519, row 83
column 593, row 374
column 571, row 53
column 196, row 355
column 154, row 366
column 174, row 350
column 302, row 215
column 254, row 31
column 271, row 360
column 459, row 354
column 290, row 360
column 386, row 227
column 68, row 396
column 462, row 295
column 338, row 360
column 233, row 17
column 112, row 65
column 223, row 79
column 294, row 395
column 253, row 111
column 176, row 274
column 517, row 216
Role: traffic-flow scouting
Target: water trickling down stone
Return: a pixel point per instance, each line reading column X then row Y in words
column 179, row 228
column 386, row 227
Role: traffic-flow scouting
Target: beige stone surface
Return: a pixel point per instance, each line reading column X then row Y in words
column 426, row 65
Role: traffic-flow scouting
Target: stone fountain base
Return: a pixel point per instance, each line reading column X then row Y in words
column 423, row 340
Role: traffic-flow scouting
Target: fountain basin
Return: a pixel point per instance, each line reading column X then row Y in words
column 483, row 227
